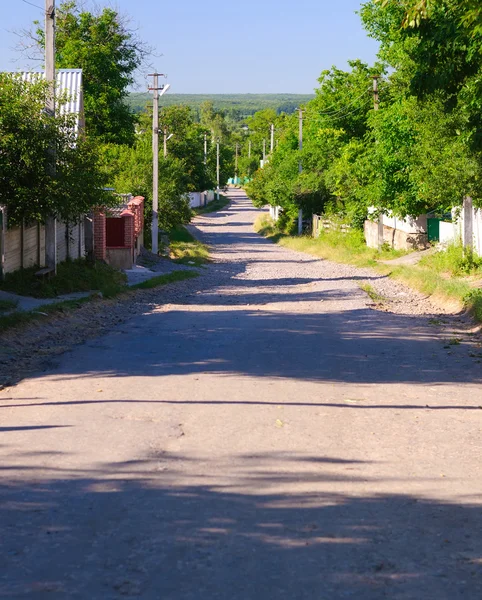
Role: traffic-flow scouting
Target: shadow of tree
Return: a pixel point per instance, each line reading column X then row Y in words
column 131, row 529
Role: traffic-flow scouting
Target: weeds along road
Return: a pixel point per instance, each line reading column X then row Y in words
column 267, row 435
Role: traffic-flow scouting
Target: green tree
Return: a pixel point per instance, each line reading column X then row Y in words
column 27, row 136
column 108, row 53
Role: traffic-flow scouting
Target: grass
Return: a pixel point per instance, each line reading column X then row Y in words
column 212, row 206
column 72, row 276
column 23, row 317
column 447, row 277
column 164, row 279
column 7, row 305
column 112, row 283
column 185, row 249
column 348, row 248
column 372, row 293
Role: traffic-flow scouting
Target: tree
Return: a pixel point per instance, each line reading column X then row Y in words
column 108, row 52
column 187, row 145
column 27, row 135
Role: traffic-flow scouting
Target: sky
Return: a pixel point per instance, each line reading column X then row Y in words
column 225, row 47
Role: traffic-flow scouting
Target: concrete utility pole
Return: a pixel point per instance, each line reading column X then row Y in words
column 205, row 148
column 51, row 222
column 300, row 166
column 272, row 138
column 236, row 165
column 217, row 170
column 264, row 151
column 155, row 161
column 376, row 106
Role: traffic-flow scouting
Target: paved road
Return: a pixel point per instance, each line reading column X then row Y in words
column 269, row 436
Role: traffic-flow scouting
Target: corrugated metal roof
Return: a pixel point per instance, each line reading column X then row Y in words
column 68, row 88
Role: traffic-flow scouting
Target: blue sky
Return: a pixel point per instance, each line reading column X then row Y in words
column 216, row 46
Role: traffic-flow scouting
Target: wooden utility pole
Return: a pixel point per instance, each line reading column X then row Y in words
column 376, row 106
column 217, row 170
column 300, row 166
column 155, row 162
column 272, row 138
column 51, row 222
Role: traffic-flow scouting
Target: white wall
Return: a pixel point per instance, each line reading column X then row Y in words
column 194, row 199
column 408, row 225
column 448, row 232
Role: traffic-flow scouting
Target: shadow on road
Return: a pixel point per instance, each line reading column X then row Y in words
column 128, row 529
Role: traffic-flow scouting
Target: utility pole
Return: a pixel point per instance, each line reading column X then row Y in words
column 249, row 148
column 300, row 166
column 236, row 166
column 155, row 162
column 264, row 151
column 51, row 222
column 376, row 106
column 165, row 141
column 272, row 138
column 217, row 170
column 205, row 148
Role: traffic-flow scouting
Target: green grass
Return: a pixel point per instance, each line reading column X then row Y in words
column 448, row 277
column 164, row 279
column 454, row 262
column 372, row 293
column 348, row 248
column 17, row 318
column 185, row 249
column 23, row 317
column 212, row 206
column 72, row 276
column 7, row 305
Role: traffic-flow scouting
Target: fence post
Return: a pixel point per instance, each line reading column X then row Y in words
column 468, row 225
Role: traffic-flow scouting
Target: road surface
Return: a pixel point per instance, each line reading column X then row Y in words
column 267, row 436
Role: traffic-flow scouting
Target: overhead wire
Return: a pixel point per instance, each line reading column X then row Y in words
column 328, row 114
column 35, row 5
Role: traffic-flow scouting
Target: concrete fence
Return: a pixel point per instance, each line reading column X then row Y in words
column 24, row 246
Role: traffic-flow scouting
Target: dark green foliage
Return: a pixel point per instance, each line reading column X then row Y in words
column 31, row 186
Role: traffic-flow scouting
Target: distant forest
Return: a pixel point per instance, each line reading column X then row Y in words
column 236, row 106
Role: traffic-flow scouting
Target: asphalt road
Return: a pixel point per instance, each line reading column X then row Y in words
column 268, row 436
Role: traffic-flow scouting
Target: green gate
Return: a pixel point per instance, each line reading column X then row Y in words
column 433, row 230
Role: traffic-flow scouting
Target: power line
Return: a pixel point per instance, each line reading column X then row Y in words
column 347, row 106
column 320, row 120
column 34, row 5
